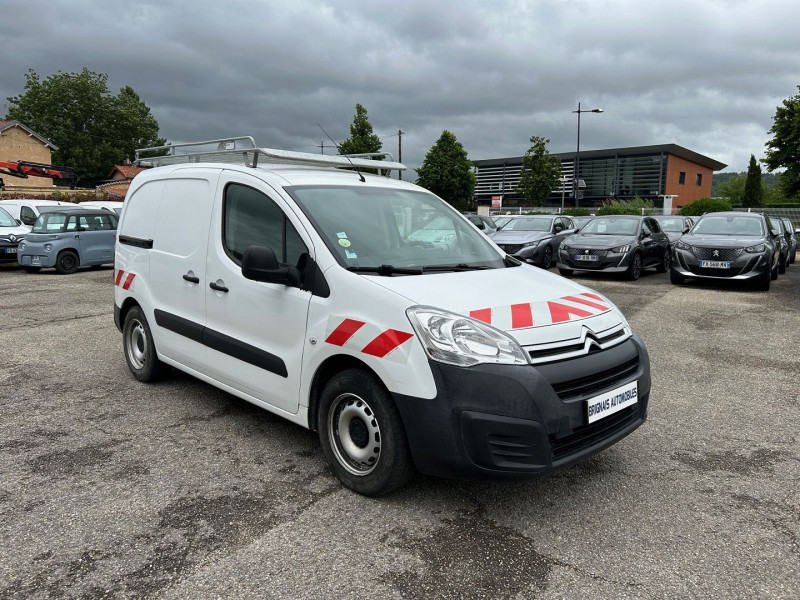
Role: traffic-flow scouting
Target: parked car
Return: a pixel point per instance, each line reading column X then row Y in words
column 786, row 242
column 534, row 238
column 293, row 286
column 69, row 238
column 579, row 222
column 674, row 226
column 502, row 220
column 12, row 232
column 115, row 205
column 27, row 211
column 439, row 233
column 616, row 244
column 728, row 245
column 484, row 223
column 793, row 238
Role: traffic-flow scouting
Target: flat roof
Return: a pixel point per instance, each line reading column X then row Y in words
column 674, row 149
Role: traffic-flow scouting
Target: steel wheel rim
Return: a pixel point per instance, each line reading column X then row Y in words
column 355, row 434
column 137, row 345
column 67, row 262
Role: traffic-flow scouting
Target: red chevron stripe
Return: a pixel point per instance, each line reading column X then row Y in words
column 483, row 314
column 521, row 316
column 344, row 332
column 128, row 281
column 386, row 342
column 586, row 302
column 120, row 273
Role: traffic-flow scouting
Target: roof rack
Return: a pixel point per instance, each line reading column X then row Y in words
column 243, row 150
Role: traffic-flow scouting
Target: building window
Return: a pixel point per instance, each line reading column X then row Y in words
column 682, row 177
column 699, row 179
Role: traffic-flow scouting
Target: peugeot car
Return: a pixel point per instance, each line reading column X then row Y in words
column 793, row 235
column 728, row 245
column 616, row 244
column 534, row 238
column 674, row 226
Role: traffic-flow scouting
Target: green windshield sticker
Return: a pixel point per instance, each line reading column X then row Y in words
column 344, row 243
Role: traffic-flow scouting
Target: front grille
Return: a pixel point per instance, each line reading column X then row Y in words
column 553, row 353
column 510, row 248
column 589, row 435
column 721, row 253
column 587, row 251
column 597, row 382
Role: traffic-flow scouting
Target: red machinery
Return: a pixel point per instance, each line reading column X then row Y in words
column 25, row 169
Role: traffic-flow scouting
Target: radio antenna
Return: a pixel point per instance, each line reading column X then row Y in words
column 345, row 155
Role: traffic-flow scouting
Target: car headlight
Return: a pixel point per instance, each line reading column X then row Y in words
column 458, row 340
column 621, row 249
column 21, row 246
column 682, row 245
column 447, row 237
column 531, row 244
column 48, row 247
column 565, row 248
column 757, row 249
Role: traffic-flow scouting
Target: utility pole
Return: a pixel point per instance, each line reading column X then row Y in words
column 399, row 151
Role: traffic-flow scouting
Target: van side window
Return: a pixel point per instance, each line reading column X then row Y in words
column 26, row 215
column 252, row 218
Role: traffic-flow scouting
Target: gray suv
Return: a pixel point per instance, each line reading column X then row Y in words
column 68, row 239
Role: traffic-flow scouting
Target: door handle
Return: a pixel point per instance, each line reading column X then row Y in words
column 191, row 278
column 219, row 288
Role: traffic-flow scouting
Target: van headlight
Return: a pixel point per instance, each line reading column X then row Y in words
column 458, row 340
column 21, row 246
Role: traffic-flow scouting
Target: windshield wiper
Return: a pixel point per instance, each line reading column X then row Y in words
column 458, row 267
column 387, row 270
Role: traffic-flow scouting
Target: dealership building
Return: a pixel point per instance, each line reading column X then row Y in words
column 666, row 174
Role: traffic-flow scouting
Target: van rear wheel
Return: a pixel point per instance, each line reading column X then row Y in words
column 362, row 434
column 140, row 351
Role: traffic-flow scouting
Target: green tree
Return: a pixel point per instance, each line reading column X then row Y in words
column 447, row 172
column 753, row 193
column 783, row 150
column 633, row 206
column 733, row 190
column 93, row 129
column 362, row 140
column 540, row 172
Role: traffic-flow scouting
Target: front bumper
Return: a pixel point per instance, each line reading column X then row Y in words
column 608, row 262
column 504, row 421
column 33, row 257
column 745, row 266
column 8, row 252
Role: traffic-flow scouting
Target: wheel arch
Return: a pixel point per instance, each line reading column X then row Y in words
column 325, row 372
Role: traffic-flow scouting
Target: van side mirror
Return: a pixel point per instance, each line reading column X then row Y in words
column 685, row 230
column 259, row 263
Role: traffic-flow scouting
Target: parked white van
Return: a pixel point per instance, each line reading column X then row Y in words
column 293, row 284
column 28, row 211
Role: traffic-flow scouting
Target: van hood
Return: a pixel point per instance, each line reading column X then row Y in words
column 534, row 306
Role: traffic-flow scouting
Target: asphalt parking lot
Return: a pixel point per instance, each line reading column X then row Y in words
column 113, row 488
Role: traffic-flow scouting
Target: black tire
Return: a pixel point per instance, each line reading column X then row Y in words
column 635, row 268
column 139, row 349
column 565, row 272
column 676, row 278
column 761, row 283
column 547, row 258
column 28, row 269
column 782, row 265
column 793, row 257
column 362, row 434
column 67, row 262
column 663, row 266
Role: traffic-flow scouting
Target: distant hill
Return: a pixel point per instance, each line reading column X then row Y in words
column 771, row 179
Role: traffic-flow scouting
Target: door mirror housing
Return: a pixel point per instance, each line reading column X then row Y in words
column 259, row 263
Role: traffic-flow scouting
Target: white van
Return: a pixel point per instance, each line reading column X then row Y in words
column 301, row 287
column 28, row 211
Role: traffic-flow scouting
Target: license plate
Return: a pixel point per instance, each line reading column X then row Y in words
column 10, row 250
column 715, row 264
column 612, row 401
column 586, row 257
column 36, row 260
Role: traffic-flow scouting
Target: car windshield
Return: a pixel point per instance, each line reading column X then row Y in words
column 50, row 222
column 671, row 224
column 501, row 221
column 6, row 220
column 529, row 224
column 382, row 229
column 728, row 225
column 611, row 226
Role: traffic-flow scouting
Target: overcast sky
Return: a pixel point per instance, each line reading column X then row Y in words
column 704, row 74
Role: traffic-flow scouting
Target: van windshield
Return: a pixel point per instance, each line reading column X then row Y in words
column 370, row 227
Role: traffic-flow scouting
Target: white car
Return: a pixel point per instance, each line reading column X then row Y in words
column 12, row 232
column 28, row 211
column 294, row 285
column 113, row 205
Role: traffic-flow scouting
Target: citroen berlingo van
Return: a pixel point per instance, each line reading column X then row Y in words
column 293, row 281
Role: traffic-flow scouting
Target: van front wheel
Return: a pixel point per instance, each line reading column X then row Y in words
column 362, row 434
column 140, row 351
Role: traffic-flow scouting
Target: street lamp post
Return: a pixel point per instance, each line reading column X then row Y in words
column 577, row 165
column 563, row 181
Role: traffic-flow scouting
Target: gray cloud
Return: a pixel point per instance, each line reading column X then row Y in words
column 705, row 74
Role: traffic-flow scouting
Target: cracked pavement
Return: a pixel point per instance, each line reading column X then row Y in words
column 113, row 488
